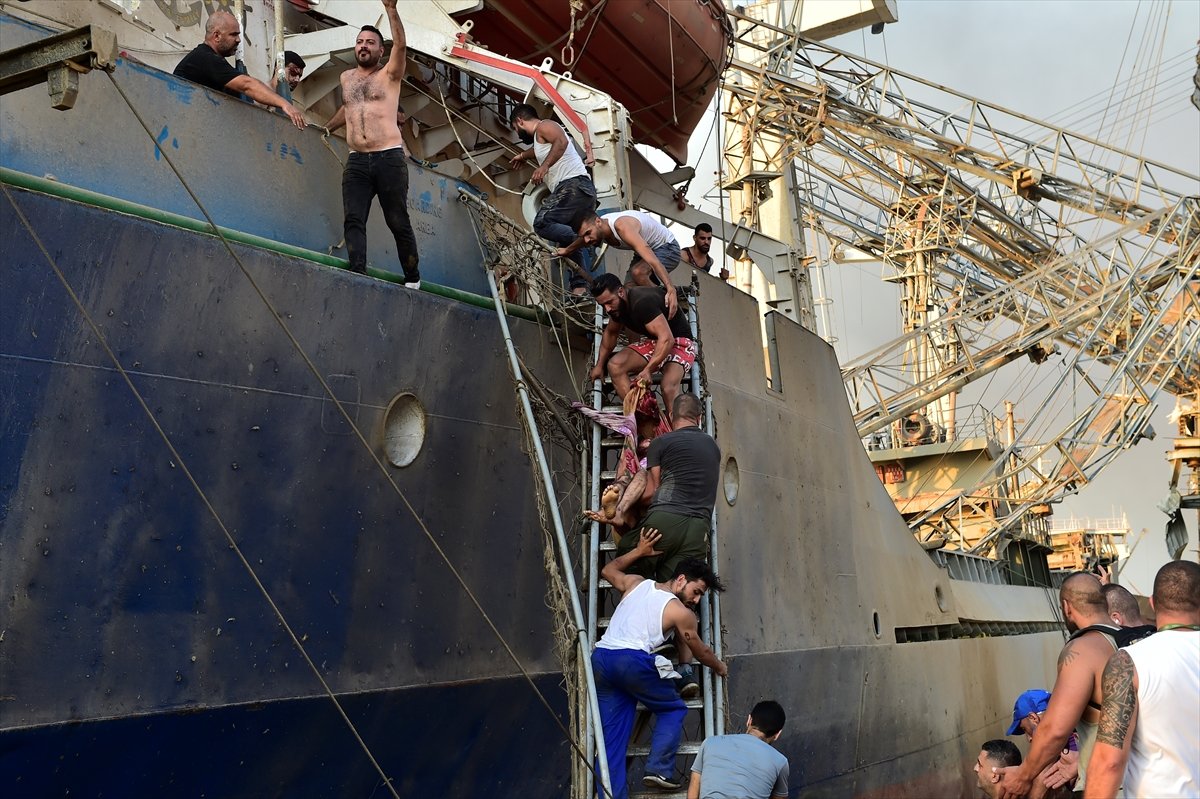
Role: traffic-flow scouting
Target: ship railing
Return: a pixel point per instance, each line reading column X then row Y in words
column 968, row 567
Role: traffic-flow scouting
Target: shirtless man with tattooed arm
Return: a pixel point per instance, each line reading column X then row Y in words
column 376, row 166
column 1149, row 734
column 1075, row 698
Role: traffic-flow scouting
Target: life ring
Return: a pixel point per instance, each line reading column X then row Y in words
column 531, row 203
column 915, row 429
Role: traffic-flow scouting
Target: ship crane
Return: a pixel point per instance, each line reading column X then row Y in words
column 1008, row 237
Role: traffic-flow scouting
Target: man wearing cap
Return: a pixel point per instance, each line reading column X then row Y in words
column 1028, row 710
column 1027, row 714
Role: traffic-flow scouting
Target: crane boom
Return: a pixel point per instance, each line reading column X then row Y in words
column 1008, row 237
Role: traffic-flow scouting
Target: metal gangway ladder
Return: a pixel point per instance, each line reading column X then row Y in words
column 706, row 714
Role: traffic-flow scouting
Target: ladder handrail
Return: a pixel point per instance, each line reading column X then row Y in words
column 713, row 691
column 583, row 641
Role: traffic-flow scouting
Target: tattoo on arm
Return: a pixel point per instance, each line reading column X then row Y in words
column 1120, row 700
column 1068, row 654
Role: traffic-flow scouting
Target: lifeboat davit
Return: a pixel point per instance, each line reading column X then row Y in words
column 661, row 59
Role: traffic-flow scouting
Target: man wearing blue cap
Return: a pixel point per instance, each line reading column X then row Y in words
column 1027, row 714
column 1028, row 710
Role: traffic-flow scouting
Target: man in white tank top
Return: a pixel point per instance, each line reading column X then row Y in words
column 656, row 252
column 625, row 669
column 572, row 193
column 1149, row 733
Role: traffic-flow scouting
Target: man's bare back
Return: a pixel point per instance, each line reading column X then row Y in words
column 371, row 91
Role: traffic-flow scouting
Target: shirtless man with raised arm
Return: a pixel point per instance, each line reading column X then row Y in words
column 376, row 166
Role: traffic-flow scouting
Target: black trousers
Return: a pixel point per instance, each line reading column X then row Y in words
column 383, row 174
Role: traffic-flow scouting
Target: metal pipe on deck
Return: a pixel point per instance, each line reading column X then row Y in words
column 564, row 549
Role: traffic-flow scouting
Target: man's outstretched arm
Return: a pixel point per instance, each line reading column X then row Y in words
column 614, row 570
column 337, row 120
column 1068, row 700
column 398, row 60
column 263, row 94
column 1118, row 718
column 686, row 632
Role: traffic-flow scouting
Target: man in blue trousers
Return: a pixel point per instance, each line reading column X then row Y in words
column 626, row 671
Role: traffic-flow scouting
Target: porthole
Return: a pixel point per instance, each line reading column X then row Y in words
column 732, row 480
column 403, row 429
column 875, row 622
column 940, row 596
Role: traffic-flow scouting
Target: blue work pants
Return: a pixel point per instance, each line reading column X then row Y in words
column 625, row 677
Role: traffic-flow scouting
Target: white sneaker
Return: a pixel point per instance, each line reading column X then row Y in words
column 414, row 286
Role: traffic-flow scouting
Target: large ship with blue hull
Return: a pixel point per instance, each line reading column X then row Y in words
column 210, row 585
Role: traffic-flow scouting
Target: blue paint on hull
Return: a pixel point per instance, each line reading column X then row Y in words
column 462, row 740
column 129, row 623
column 252, row 169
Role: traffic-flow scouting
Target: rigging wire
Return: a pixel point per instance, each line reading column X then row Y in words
column 187, row 472
column 403, row 497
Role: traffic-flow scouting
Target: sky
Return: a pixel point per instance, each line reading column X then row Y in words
column 1059, row 62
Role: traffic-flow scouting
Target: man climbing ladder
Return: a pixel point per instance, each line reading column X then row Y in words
column 626, row 670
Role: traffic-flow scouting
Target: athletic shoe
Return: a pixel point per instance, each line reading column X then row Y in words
column 663, row 783
column 688, row 686
column 414, row 286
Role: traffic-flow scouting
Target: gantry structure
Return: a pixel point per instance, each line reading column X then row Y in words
column 1008, row 238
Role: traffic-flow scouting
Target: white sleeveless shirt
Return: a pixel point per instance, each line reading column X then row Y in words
column 654, row 233
column 637, row 623
column 568, row 165
column 1164, row 756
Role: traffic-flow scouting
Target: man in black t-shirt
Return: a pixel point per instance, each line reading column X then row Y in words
column 207, row 66
column 682, row 472
column 663, row 343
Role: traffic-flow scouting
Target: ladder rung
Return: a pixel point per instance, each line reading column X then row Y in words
column 611, row 474
column 693, row 704
column 608, row 546
column 686, row 748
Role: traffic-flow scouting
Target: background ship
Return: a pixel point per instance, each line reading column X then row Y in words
column 138, row 655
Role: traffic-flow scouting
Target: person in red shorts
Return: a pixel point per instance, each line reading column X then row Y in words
column 660, row 343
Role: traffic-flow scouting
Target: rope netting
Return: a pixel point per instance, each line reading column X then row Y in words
column 522, row 259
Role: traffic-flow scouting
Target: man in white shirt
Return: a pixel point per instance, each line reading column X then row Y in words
column 572, row 193
column 626, row 672
column 1149, row 735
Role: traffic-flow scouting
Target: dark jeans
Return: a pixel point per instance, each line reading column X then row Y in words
column 383, row 174
column 570, row 198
